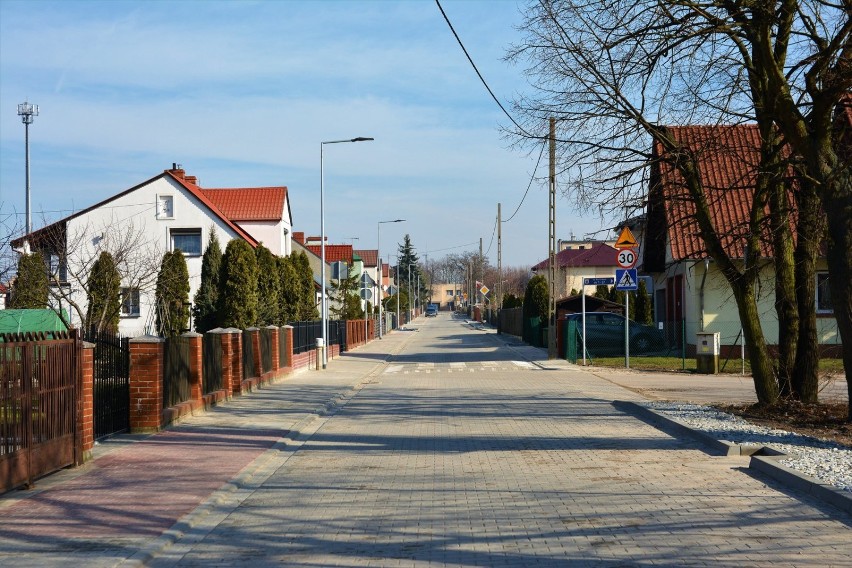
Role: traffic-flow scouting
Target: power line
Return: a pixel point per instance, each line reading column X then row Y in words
column 478, row 74
column 532, row 178
column 450, row 248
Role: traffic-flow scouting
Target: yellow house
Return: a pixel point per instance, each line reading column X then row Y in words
column 691, row 295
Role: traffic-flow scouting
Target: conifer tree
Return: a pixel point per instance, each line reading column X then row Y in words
column 268, row 287
column 172, row 295
column 238, row 292
column 103, row 291
column 31, row 285
column 205, row 307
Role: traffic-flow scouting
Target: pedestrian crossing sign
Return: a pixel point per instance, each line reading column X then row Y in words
column 626, row 279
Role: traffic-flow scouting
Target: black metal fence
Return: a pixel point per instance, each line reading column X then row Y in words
column 111, row 383
column 211, row 359
column 176, row 371
column 266, row 349
column 305, row 335
column 248, row 356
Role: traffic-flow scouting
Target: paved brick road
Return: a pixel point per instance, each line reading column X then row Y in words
column 460, row 452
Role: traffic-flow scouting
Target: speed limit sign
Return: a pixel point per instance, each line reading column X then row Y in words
column 626, row 258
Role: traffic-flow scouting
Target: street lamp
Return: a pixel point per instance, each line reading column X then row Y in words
column 323, row 299
column 379, row 272
column 27, row 111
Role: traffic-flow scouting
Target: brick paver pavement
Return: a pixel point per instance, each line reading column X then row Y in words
column 458, row 451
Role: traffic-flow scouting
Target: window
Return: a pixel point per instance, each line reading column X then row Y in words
column 823, row 293
column 165, row 207
column 187, row 240
column 449, row 293
column 129, row 302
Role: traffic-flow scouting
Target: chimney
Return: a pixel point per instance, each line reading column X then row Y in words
column 299, row 237
column 191, row 179
column 177, row 171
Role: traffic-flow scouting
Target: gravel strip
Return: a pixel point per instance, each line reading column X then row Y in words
column 823, row 460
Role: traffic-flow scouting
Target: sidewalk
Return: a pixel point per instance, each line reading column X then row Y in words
column 137, row 487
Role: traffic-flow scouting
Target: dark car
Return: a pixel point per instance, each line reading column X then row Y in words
column 431, row 311
column 605, row 335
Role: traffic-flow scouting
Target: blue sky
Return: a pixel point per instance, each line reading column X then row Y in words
column 242, row 94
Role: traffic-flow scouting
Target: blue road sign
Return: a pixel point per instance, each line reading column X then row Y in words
column 626, row 279
column 599, row 281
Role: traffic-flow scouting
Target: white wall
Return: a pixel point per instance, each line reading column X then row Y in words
column 134, row 216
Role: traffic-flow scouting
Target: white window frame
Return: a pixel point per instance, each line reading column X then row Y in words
column 135, row 294
column 822, row 278
column 184, row 232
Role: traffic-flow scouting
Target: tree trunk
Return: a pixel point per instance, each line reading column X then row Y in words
column 785, row 287
column 762, row 370
column 809, row 232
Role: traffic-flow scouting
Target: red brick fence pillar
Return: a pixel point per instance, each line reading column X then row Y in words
column 146, row 383
column 86, row 420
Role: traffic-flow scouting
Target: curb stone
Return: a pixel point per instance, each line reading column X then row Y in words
column 763, row 459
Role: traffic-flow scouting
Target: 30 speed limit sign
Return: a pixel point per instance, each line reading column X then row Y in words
column 626, row 258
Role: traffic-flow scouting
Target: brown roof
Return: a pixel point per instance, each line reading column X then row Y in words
column 333, row 253
column 250, row 203
column 728, row 158
column 601, row 254
column 369, row 256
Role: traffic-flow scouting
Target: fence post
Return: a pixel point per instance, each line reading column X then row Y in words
column 146, row 383
column 273, row 348
column 227, row 355
column 196, row 366
column 236, row 360
column 86, row 425
column 287, row 330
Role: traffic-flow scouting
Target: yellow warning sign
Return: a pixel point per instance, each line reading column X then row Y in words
column 626, row 240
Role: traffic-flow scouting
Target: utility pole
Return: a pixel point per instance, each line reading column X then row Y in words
column 551, row 226
column 499, row 286
column 480, row 270
column 27, row 111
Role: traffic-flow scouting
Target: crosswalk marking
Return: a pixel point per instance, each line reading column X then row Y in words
column 472, row 367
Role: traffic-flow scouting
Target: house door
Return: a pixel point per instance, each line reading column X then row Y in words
column 674, row 311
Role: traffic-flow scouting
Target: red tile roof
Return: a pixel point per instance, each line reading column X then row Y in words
column 601, row 254
column 728, row 158
column 250, row 203
column 369, row 256
column 333, row 253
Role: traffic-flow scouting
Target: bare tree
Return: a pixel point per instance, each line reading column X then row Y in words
column 73, row 255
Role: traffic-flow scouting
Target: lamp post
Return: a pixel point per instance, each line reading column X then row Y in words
column 379, row 265
column 27, row 111
column 323, row 299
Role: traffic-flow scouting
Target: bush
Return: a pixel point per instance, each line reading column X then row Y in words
column 536, row 299
column 268, row 287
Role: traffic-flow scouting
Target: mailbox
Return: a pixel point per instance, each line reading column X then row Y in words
column 707, row 352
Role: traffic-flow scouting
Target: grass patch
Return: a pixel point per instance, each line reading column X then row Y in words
column 734, row 366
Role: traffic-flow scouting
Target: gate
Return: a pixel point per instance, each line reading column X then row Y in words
column 39, row 392
column 111, row 388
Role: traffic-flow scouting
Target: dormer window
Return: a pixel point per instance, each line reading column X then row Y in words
column 165, row 207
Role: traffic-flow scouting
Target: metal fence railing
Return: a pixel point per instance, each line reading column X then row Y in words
column 211, row 360
column 265, row 349
column 176, row 371
column 248, row 356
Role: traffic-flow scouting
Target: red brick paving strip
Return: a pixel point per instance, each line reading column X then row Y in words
column 140, row 490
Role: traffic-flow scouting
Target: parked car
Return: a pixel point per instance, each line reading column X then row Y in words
column 605, row 335
column 431, row 310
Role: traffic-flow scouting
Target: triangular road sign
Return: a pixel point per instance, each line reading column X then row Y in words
column 626, row 240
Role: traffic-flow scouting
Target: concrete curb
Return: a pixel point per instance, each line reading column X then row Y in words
column 763, row 459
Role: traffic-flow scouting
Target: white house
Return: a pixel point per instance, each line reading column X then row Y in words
column 169, row 211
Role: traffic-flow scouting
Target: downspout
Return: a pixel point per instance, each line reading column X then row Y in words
column 701, row 296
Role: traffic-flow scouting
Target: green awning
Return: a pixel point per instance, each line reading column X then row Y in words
column 22, row 321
